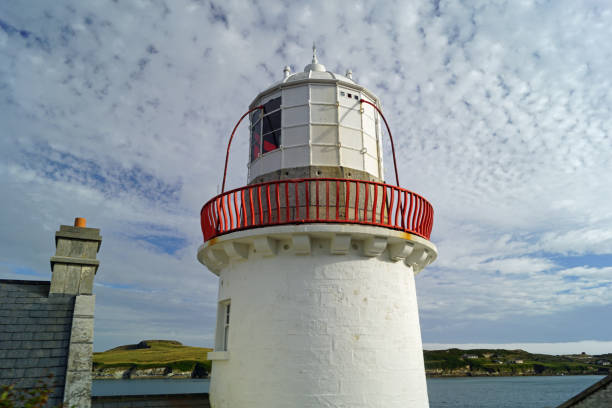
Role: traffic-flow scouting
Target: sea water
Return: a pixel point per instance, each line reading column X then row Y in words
column 468, row 392
column 153, row 386
column 505, row 392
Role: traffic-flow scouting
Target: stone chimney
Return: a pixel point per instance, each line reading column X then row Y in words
column 74, row 264
column 74, row 267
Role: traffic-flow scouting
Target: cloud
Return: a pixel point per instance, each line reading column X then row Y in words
column 501, row 114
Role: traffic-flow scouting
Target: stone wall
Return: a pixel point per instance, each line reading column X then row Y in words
column 152, row 401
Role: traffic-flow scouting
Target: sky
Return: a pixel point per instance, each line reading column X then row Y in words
column 120, row 112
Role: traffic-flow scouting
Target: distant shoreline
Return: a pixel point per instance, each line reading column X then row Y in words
column 170, row 359
column 511, row 363
column 511, row 375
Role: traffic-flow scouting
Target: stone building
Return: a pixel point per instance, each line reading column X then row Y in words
column 46, row 327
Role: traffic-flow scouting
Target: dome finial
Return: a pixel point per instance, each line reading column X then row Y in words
column 314, row 65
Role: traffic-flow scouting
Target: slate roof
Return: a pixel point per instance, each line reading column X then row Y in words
column 34, row 335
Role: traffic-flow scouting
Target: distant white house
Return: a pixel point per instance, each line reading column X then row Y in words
column 470, row 356
column 603, row 362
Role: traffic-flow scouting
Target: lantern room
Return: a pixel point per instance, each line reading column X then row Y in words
column 312, row 124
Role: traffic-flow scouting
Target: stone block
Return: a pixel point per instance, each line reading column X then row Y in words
column 58, row 279
column 84, row 305
column 340, row 244
column 71, row 285
column 75, row 248
column 78, row 389
column 86, row 280
column 82, row 330
column 80, row 357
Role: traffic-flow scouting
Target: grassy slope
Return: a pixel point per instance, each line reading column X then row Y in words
column 153, row 353
column 537, row 363
column 167, row 353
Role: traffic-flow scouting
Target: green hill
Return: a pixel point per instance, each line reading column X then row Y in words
column 499, row 362
column 168, row 358
column 151, row 358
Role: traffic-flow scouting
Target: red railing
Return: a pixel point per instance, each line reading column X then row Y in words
column 317, row 200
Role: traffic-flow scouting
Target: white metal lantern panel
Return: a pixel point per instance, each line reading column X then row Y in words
column 370, row 146
column 294, row 96
column 296, row 157
column 271, row 161
column 324, row 134
column 324, row 155
column 297, row 115
column 350, row 138
column 296, row 136
column 371, row 164
column 350, row 117
column 323, row 94
column 351, row 158
column 324, row 114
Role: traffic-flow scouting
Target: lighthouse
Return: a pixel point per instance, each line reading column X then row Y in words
column 316, row 257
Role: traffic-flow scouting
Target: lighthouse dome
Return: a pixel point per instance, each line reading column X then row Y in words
column 316, row 74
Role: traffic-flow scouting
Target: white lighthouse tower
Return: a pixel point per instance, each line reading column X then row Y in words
column 316, row 258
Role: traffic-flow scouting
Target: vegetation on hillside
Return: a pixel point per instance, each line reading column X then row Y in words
column 168, row 354
column 499, row 362
column 168, row 358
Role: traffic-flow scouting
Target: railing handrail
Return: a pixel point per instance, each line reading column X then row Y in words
column 299, row 180
column 403, row 210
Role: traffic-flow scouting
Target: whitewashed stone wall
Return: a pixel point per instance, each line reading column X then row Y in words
column 320, row 330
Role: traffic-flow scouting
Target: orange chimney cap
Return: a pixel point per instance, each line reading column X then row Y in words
column 80, row 222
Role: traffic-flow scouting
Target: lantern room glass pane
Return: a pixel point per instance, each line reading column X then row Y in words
column 256, row 141
column 271, row 141
column 272, row 122
column 267, row 122
column 272, row 105
column 255, row 115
